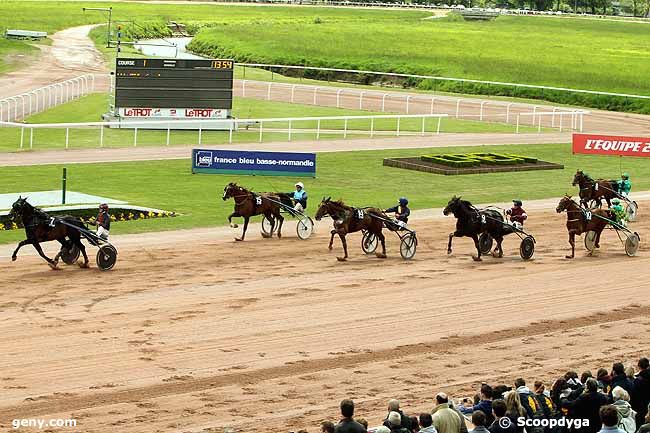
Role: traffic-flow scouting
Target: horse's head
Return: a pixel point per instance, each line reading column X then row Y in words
column 229, row 191
column 452, row 206
column 564, row 204
column 323, row 208
column 18, row 207
column 579, row 176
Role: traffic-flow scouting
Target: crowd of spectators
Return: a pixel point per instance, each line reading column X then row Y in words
column 615, row 401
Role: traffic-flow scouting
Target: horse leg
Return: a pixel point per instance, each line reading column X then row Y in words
column 280, row 218
column 52, row 263
column 269, row 216
column 20, row 245
column 451, row 236
column 382, row 238
column 230, row 217
column 77, row 241
column 572, row 241
column 597, row 243
column 498, row 251
column 478, row 250
column 333, row 232
column 345, row 247
column 244, row 231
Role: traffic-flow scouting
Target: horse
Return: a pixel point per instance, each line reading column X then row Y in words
column 40, row 227
column 248, row 204
column 583, row 221
column 349, row 220
column 595, row 190
column 472, row 222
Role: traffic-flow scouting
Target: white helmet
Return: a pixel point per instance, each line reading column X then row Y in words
column 299, row 184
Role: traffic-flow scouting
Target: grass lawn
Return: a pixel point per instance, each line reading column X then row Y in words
column 14, row 54
column 357, row 177
column 90, row 108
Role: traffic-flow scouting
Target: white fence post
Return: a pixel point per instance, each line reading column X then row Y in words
column 318, row 129
column 582, row 118
column 539, row 124
column 31, row 138
column 561, row 121
column 289, row 130
column 200, row 134
column 457, row 108
column 22, row 105
column 293, row 92
column 315, row 90
column 481, row 113
column 345, row 128
column 534, row 113
column 101, row 136
column 408, row 100
column 398, row 120
column 135, row 137
column 22, row 136
column 438, row 129
column 67, row 137
column 230, row 133
column 517, row 130
column 423, row 126
column 372, row 127
column 361, row 101
column 243, row 88
column 383, row 102
column 553, row 117
column 261, row 129
column 432, row 101
column 338, row 98
column 168, row 132
column 268, row 92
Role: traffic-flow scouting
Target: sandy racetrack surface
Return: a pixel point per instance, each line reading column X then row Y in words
column 200, row 335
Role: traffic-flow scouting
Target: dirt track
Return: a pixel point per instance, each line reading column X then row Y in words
column 196, row 336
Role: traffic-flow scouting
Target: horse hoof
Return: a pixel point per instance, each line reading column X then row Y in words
column 266, row 236
column 83, row 265
column 477, row 259
column 239, row 239
column 568, row 257
column 448, row 252
column 330, row 248
column 13, row 258
column 341, row 259
column 380, row 255
column 234, row 226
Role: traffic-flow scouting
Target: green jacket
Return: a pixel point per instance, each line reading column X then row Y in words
column 624, row 186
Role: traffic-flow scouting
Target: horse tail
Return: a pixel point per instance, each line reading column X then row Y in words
column 285, row 198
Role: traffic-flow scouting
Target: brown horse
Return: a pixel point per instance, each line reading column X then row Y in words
column 594, row 190
column 40, row 227
column 580, row 221
column 349, row 220
column 248, row 204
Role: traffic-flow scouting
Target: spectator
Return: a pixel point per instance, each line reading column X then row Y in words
column 463, row 426
column 604, row 381
column 382, row 429
column 640, row 397
column 327, row 427
column 530, row 404
column 502, row 423
column 587, row 406
column 572, row 380
column 484, row 405
column 626, row 415
column 619, row 378
column 609, row 418
column 645, row 428
column 426, row 423
column 415, row 424
column 629, row 372
column 445, row 419
column 514, row 409
column 363, row 422
column 393, row 406
column 395, row 423
column 347, row 423
column 585, row 375
column 478, row 419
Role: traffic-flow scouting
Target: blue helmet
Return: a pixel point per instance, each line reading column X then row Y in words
column 403, row 201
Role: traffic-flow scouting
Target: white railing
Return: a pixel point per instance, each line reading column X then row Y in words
column 19, row 106
column 234, row 126
column 576, row 118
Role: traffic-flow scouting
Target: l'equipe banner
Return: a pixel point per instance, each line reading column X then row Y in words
column 253, row 163
column 594, row 144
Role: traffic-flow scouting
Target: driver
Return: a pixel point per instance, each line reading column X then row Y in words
column 103, row 222
column 624, row 185
column 299, row 197
column 401, row 212
column 517, row 214
column 618, row 212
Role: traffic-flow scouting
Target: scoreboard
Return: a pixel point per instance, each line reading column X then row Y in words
column 173, row 88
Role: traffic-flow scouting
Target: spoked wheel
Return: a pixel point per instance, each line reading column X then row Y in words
column 631, row 210
column 268, row 227
column 527, row 248
column 407, row 246
column 305, row 227
column 70, row 255
column 485, row 243
column 590, row 240
column 106, row 257
column 632, row 244
column 369, row 243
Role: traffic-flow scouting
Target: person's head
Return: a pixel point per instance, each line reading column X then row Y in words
column 619, row 393
column 300, row 186
column 486, row 392
column 363, row 422
column 585, row 375
column 395, row 419
column 609, row 415
column 415, row 423
column 327, row 427
column 403, row 201
column 103, row 207
column 629, row 372
column 478, row 418
column 616, row 201
column 625, row 176
column 602, row 372
column 513, row 403
column 570, row 375
column 539, row 387
column 643, row 364
column 441, row 398
column 382, row 429
column 393, row 405
column 592, row 385
column 517, row 203
column 519, row 382
column 499, row 408
column 347, row 408
column 426, row 420
column 618, row 368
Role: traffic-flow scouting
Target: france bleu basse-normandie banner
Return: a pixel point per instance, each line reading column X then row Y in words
column 596, row 144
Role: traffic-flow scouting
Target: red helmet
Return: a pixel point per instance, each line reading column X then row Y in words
column 103, row 206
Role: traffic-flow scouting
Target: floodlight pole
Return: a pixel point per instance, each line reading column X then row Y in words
column 110, row 16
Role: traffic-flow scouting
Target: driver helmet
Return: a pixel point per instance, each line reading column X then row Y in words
column 103, row 206
column 403, row 201
column 300, row 185
column 517, row 202
column 625, row 176
column 616, row 201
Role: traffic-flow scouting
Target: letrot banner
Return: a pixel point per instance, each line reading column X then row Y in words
column 253, row 163
column 593, row 144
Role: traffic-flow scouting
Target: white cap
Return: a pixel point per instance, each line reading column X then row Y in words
column 300, row 185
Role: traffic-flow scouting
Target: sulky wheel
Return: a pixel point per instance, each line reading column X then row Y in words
column 632, row 244
column 267, row 227
column 590, row 240
column 70, row 255
column 106, row 257
column 485, row 242
column 527, row 248
column 369, row 243
column 305, row 227
column 631, row 211
column 407, row 246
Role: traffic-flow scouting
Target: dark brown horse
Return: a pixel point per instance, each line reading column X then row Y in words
column 40, row 227
column 248, row 204
column 594, row 190
column 581, row 220
column 349, row 220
